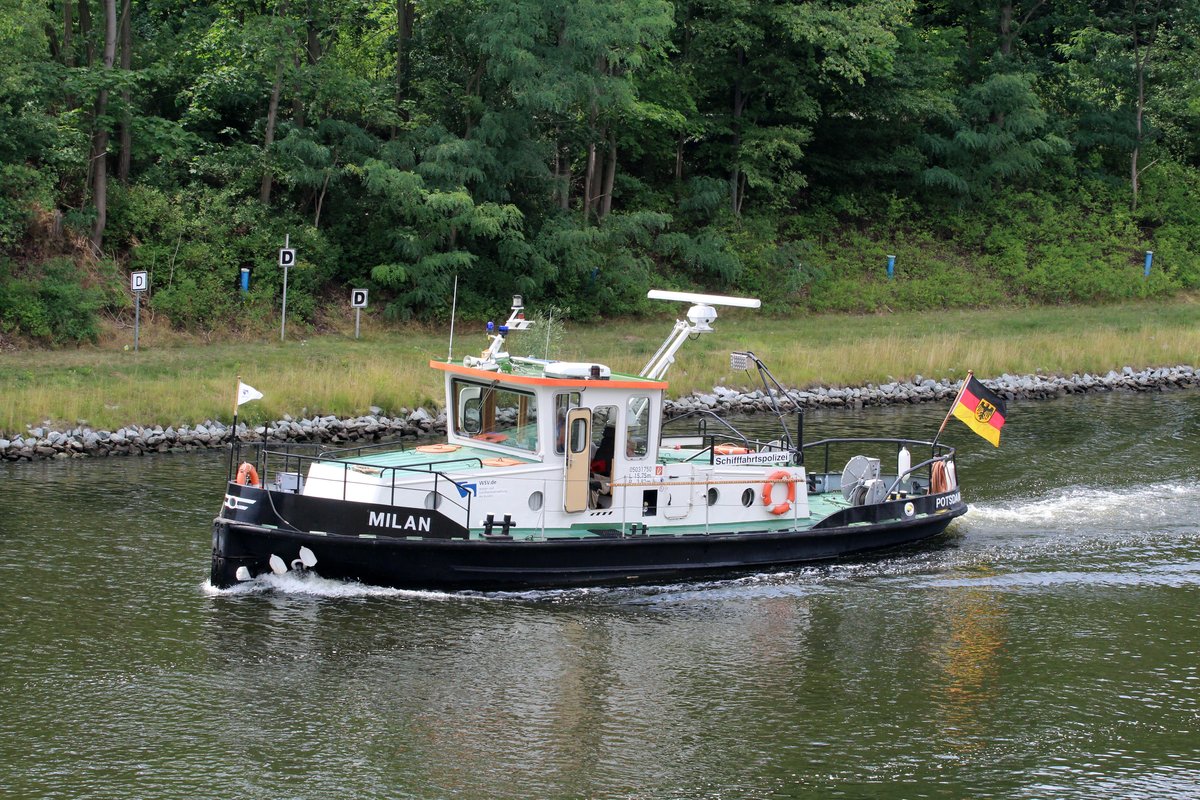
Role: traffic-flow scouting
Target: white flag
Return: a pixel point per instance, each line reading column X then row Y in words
column 246, row 393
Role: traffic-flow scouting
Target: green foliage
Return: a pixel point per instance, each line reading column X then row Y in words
column 50, row 302
column 581, row 152
column 997, row 137
column 22, row 191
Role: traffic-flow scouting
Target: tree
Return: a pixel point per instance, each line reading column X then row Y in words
column 761, row 68
column 572, row 67
column 1112, row 77
column 998, row 135
column 99, row 159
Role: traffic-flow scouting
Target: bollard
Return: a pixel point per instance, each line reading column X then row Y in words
column 245, row 279
column 891, row 267
column 1149, row 258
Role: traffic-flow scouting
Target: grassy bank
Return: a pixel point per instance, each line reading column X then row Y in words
column 172, row 381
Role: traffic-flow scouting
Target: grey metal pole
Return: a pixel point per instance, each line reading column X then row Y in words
column 137, row 318
column 287, row 238
column 357, row 317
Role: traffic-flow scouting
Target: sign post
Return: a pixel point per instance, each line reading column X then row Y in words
column 358, row 301
column 287, row 258
column 138, row 283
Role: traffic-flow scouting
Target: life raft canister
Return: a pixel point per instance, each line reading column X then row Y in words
column 247, row 475
column 784, row 477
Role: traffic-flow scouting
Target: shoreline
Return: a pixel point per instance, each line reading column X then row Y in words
column 40, row 442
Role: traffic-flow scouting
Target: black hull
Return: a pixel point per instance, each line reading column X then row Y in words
column 453, row 564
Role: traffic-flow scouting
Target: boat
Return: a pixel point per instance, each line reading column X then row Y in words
column 565, row 474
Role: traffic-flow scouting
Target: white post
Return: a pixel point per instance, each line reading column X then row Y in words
column 138, row 283
column 287, row 238
column 357, row 317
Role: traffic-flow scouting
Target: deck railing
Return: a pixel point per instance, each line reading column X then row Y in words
column 292, row 459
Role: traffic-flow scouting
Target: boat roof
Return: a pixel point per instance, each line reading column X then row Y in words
column 532, row 372
column 440, row 456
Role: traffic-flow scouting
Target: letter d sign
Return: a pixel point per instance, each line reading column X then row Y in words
column 358, row 298
column 287, row 257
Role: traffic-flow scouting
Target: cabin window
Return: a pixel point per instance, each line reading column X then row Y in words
column 579, row 436
column 497, row 415
column 637, row 427
column 562, row 402
column 604, row 439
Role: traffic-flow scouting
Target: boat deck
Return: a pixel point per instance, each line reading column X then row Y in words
column 609, row 525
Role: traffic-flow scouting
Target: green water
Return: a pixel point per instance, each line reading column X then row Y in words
column 1047, row 647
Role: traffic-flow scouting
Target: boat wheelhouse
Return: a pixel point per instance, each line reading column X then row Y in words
column 563, row 473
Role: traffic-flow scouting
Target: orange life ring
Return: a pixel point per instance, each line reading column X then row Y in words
column 728, row 449
column 247, row 475
column 437, row 448
column 490, row 437
column 500, row 462
column 780, row 476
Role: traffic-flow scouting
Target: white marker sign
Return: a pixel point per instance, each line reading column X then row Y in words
column 287, row 257
column 139, row 281
column 358, row 298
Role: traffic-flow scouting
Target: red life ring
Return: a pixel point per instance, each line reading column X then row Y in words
column 728, row 449
column 780, row 476
column 247, row 475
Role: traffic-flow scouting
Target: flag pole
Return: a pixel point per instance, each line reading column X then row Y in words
column 233, row 431
column 953, row 405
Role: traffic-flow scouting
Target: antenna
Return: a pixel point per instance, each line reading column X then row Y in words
column 453, row 311
column 705, row 299
column 699, row 320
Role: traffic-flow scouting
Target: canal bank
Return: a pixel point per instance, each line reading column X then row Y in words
column 79, row 442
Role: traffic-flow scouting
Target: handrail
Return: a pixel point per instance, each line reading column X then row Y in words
column 359, row 448
column 944, row 450
column 298, row 461
column 926, row 463
column 701, row 430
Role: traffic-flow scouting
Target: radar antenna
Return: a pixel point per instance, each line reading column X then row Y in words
column 699, row 320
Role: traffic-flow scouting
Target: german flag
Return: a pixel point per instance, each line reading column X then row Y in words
column 981, row 409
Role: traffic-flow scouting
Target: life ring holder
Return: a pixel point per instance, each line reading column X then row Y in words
column 247, row 475
column 437, row 448
column 784, row 477
column 729, row 449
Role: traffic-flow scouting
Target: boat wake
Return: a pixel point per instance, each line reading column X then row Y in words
column 311, row 585
column 1166, row 505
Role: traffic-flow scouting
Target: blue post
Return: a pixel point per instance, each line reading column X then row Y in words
column 1149, row 258
column 245, row 279
column 891, row 266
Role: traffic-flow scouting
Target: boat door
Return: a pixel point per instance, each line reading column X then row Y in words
column 579, row 458
column 679, row 490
